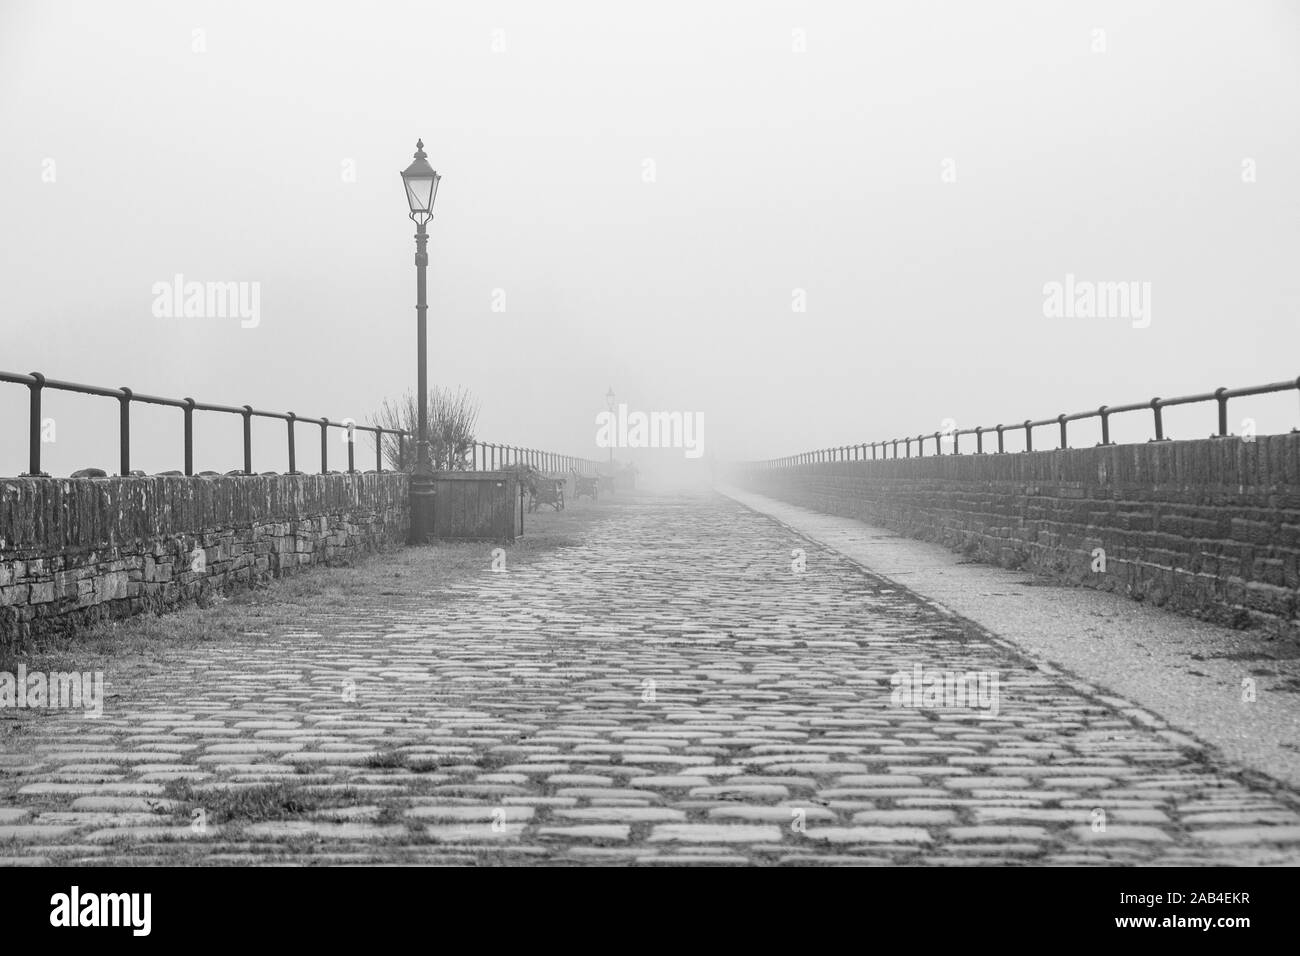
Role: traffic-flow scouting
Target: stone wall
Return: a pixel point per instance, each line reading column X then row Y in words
column 1208, row 527
column 80, row 550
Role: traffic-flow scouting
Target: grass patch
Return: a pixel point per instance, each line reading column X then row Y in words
column 386, row 760
column 273, row 801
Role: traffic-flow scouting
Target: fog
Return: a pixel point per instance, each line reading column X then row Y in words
column 809, row 224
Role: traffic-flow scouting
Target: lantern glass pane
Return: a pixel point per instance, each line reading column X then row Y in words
column 419, row 193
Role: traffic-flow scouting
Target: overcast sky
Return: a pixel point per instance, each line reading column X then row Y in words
column 654, row 188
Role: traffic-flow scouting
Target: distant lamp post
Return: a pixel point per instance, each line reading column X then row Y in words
column 421, row 182
column 609, row 403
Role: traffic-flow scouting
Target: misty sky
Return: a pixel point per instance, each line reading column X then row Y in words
column 774, row 171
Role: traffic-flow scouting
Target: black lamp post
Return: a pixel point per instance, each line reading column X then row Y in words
column 421, row 184
column 609, row 403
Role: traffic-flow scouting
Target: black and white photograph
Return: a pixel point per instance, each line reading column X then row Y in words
column 704, row 435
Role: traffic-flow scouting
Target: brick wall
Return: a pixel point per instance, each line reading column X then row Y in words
column 75, row 551
column 1209, row 527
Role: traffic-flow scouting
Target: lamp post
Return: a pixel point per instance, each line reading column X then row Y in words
column 421, row 182
column 609, row 403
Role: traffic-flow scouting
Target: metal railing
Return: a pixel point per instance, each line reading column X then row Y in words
column 487, row 456
column 479, row 454
column 38, row 383
column 1156, row 406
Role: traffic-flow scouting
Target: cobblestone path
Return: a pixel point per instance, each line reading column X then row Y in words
column 670, row 691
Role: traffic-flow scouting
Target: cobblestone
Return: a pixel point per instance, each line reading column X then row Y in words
column 667, row 691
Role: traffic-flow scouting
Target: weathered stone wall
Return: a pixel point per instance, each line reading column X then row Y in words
column 1209, row 527
column 75, row 551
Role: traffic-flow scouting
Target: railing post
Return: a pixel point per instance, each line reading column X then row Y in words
column 1061, row 421
column 379, row 451
column 938, row 445
column 1029, row 435
column 907, row 447
column 189, row 435
column 34, row 425
column 324, row 445
column 293, row 459
column 1222, row 398
column 979, row 439
column 401, row 451
column 248, row 439
column 1160, row 424
column 1105, row 424
column 124, row 430
column 956, row 440
column 1000, row 445
column 352, row 435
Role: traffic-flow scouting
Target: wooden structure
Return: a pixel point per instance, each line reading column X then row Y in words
column 477, row 505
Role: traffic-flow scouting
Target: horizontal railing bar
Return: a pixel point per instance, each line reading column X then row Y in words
column 1189, row 399
column 206, row 407
column 154, row 400
column 82, row 389
column 1134, row 407
column 1261, row 389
